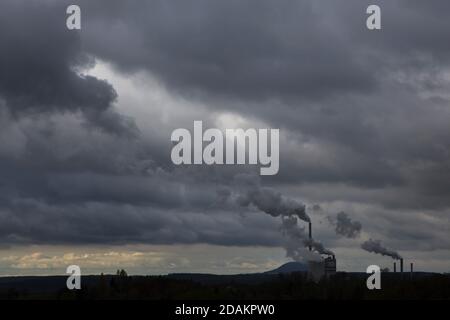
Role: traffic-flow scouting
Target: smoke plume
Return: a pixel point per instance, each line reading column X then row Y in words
column 277, row 205
column 344, row 226
column 375, row 246
column 352, row 229
column 298, row 240
column 273, row 203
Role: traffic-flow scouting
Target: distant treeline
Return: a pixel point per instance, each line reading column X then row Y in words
column 282, row 286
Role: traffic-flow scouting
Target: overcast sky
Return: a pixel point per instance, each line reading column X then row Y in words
column 86, row 118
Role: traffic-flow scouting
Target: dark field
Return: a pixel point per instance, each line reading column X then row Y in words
column 342, row 286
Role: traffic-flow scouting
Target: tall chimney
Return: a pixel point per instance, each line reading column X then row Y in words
column 412, row 269
column 310, row 236
column 401, row 265
column 395, row 267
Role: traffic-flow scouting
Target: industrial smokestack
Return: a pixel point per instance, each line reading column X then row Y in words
column 395, row 267
column 401, row 265
column 251, row 193
column 310, row 236
column 412, row 269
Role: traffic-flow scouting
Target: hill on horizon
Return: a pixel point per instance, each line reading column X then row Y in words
column 289, row 267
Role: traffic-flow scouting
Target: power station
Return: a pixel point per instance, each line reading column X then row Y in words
column 327, row 266
column 319, row 269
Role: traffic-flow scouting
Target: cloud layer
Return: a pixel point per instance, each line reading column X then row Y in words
column 363, row 118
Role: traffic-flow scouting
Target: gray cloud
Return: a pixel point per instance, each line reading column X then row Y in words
column 34, row 222
column 311, row 69
column 39, row 62
column 363, row 116
column 253, row 51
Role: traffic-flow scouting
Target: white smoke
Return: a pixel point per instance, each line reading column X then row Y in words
column 273, row 203
column 375, row 246
column 344, row 226
column 250, row 193
column 352, row 229
column 297, row 241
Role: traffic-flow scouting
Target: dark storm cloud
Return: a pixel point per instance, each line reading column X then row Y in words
column 364, row 117
column 38, row 63
column 306, row 67
column 31, row 221
column 252, row 50
column 258, row 50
